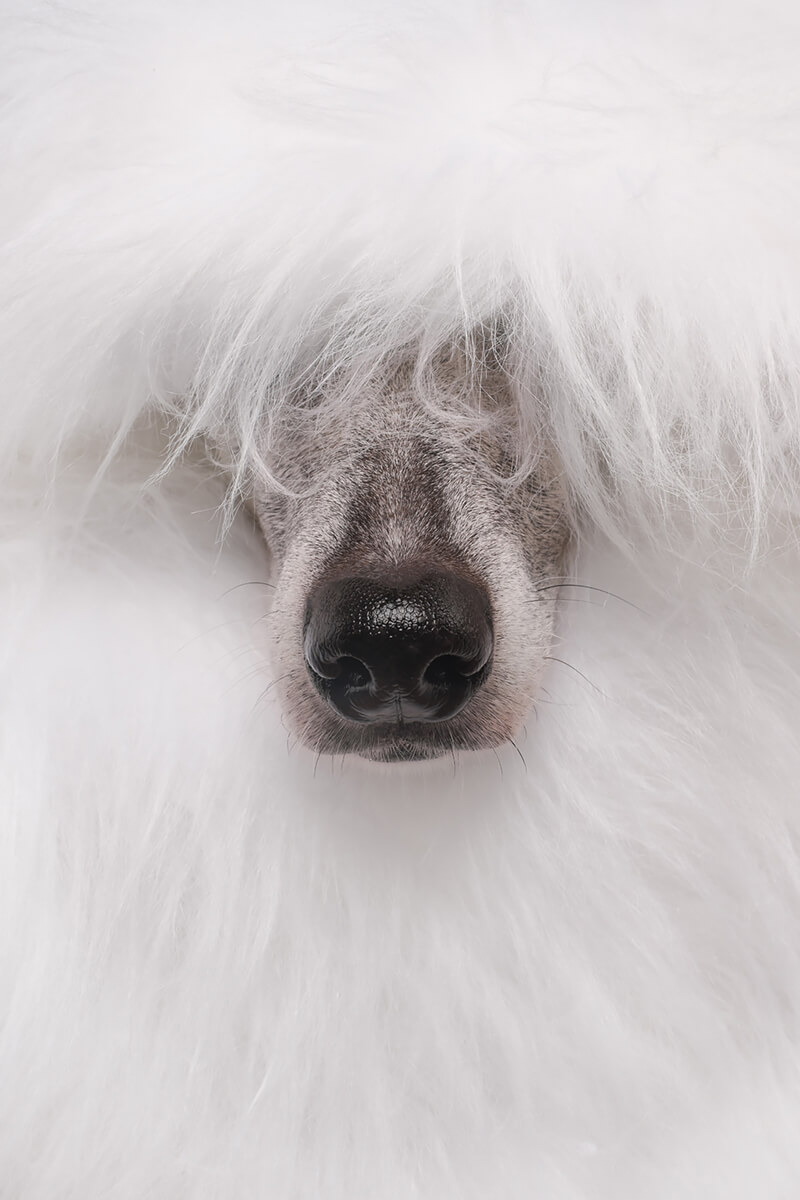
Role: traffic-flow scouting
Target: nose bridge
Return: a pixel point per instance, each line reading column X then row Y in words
column 399, row 507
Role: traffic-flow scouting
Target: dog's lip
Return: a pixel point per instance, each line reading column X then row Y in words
column 403, row 743
column 400, row 750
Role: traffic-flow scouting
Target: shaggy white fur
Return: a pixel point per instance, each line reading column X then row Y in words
column 232, row 973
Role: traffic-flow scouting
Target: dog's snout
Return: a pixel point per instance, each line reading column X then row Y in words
column 397, row 654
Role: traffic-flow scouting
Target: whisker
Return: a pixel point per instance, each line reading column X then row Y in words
column 453, row 754
column 259, row 669
column 552, row 658
column 564, row 600
column 247, row 583
column 539, row 699
column 270, row 686
column 590, row 588
column 519, row 752
column 302, row 738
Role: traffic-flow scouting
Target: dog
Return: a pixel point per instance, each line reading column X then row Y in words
column 399, row 657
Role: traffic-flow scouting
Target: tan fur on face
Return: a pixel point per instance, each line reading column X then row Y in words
column 390, row 484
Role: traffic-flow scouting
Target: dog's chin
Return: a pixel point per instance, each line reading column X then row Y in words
column 404, row 745
column 400, row 744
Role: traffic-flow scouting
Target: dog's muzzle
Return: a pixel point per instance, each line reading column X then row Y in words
column 395, row 655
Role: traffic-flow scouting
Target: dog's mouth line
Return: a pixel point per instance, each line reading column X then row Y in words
column 397, row 741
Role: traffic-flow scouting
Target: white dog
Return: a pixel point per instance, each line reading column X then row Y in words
column 418, row 386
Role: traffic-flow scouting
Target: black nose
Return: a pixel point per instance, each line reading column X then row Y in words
column 410, row 653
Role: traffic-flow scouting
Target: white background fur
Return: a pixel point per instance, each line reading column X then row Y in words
column 226, row 972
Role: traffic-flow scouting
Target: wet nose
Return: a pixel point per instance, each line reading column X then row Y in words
column 410, row 653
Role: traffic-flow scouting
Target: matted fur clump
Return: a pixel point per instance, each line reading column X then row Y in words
column 569, row 969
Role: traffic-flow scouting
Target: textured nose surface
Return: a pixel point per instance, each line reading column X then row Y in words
column 412, row 653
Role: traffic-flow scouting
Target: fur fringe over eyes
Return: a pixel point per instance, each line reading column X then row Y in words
column 211, row 213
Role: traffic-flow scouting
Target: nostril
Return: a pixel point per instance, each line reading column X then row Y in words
column 353, row 673
column 345, row 670
column 448, row 670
